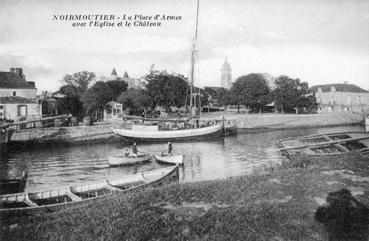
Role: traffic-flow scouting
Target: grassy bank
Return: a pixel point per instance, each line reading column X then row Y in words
column 276, row 203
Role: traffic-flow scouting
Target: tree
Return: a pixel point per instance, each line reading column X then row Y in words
column 167, row 89
column 250, row 90
column 291, row 95
column 81, row 80
column 221, row 95
column 117, row 87
column 71, row 103
column 135, row 100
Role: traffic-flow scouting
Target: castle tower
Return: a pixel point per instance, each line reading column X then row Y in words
column 114, row 75
column 226, row 75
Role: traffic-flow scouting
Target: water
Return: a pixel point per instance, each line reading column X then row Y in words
column 206, row 160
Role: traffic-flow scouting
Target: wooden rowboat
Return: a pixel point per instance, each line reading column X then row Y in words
column 128, row 160
column 76, row 196
column 343, row 144
column 13, row 185
column 170, row 159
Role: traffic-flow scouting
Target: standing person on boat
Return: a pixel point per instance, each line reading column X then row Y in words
column 170, row 148
column 134, row 149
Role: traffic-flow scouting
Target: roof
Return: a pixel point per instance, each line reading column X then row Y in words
column 12, row 80
column 226, row 65
column 339, row 88
column 114, row 72
column 125, row 75
column 113, row 103
column 16, row 100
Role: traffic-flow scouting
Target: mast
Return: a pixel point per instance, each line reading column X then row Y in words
column 193, row 59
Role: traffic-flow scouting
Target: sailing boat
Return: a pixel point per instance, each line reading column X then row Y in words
column 190, row 130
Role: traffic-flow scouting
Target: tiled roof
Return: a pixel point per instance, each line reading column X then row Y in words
column 338, row 87
column 11, row 80
column 16, row 100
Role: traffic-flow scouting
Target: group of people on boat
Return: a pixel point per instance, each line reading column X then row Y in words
column 193, row 124
column 135, row 151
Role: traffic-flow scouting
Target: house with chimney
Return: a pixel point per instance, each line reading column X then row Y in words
column 18, row 97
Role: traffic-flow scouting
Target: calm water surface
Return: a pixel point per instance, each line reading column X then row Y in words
column 50, row 168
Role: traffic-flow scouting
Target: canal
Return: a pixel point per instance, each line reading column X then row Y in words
column 55, row 167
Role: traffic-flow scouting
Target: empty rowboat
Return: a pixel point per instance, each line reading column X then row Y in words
column 128, row 160
column 76, row 196
column 13, row 185
column 343, row 144
column 170, row 159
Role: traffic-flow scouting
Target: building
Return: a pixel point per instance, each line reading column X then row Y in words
column 113, row 111
column 341, row 97
column 18, row 97
column 134, row 83
column 226, row 75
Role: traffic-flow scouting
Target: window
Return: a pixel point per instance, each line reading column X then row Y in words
column 349, row 100
column 359, row 100
column 114, row 111
column 14, row 93
column 22, row 110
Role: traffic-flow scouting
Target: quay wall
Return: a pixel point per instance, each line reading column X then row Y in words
column 65, row 135
column 286, row 121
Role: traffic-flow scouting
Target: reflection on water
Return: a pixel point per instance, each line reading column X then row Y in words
column 207, row 160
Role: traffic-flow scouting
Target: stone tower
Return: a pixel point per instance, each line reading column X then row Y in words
column 114, row 75
column 226, row 75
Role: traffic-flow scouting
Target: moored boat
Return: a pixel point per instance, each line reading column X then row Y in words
column 13, row 185
column 155, row 135
column 128, row 160
column 170, row 159
column 343, row 144
column 83, row 194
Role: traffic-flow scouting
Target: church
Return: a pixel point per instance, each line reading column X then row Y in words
column 226, row 75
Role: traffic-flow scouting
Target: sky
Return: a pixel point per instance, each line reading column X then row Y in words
column 319, row 42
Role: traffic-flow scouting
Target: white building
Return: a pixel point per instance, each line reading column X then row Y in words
column 18, row 97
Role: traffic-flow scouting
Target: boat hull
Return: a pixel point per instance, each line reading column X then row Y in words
column 170, row 160
column 128, row 161
column 174, row 135
column 162, row 176
column 326, row 146
column 13, row 185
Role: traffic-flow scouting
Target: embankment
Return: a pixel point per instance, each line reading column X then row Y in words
column 64, row 135
column 283, row 121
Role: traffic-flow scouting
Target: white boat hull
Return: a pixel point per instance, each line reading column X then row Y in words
column 174, row 159
column 144, row 135
column 128, row 161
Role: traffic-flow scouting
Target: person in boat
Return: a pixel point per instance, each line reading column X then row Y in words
column 170, row 148
column 134, row 149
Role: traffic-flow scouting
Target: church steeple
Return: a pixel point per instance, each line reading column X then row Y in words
column 226, row 75
column 114, row 75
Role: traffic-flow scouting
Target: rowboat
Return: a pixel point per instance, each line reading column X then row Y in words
column 128, row 160
column 76, row 196
column 343, row 144
column 13, row 185
column 153, row 134
column 170, row 159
